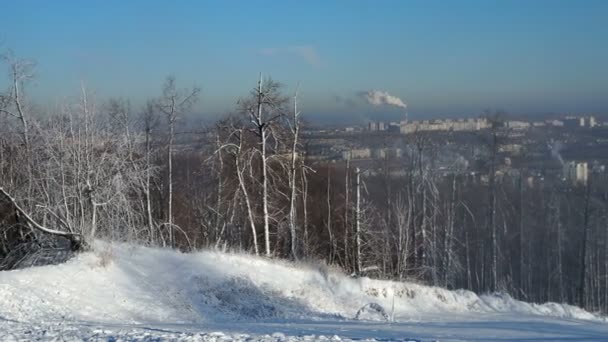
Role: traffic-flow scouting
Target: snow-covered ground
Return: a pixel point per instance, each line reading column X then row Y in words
column 123, row 293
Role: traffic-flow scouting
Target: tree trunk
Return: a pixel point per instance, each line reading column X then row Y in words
column 292, row 178
column 329, row 218
column 170, row 183
column 262, row 131
column 583, row 275
column 346, row 211
column 358, row 222
column 148, row 187
column 250, row 216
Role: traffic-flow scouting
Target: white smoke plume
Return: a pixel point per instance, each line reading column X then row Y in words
column 379, row 97
column 555, row 147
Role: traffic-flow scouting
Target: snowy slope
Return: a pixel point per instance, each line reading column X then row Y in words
column 139, row 292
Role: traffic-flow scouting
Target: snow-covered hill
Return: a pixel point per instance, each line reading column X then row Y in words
column 145, row 293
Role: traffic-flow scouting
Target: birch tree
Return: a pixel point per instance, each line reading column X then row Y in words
column 173, row 103
column 241, row 164
column 358, row 218
column 264, row 108
column 149, row 123
column 295, row 130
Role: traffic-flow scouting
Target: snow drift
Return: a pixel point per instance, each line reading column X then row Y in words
column 126, row 284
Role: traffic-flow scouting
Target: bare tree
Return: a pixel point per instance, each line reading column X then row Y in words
column 173, row 103
column 295, row 130
column 403, row 217
column 358, row 218
column 329, row 218
column 493, row 144
column 75, row 238
column 346, row 211
column 149, row 122
column 264, row 107
column 241, row 161
column 582, row 294
column 12, row 102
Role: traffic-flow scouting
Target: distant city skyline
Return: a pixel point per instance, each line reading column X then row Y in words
column 443, row 59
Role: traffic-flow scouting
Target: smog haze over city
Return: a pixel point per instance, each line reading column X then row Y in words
column 441, row 58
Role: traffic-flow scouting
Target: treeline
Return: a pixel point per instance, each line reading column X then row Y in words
column 87, row 170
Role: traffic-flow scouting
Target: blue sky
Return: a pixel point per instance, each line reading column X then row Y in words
column 440, row 57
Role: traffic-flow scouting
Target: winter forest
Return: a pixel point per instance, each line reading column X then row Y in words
column 85, row 169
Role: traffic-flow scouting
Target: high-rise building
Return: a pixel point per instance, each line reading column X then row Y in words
column 576, row 172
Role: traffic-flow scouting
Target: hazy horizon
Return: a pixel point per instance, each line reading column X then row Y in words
column 442, row 60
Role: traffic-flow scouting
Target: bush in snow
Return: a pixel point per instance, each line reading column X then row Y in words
column 371, row 310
